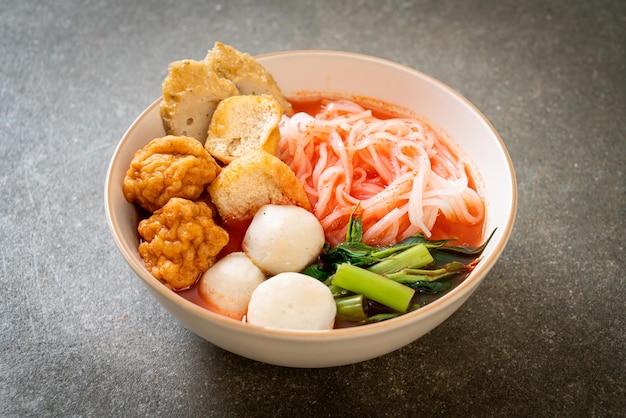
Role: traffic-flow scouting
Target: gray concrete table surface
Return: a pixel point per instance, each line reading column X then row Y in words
column 542, row 336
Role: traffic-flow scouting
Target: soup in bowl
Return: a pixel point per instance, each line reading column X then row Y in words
column 389, row 89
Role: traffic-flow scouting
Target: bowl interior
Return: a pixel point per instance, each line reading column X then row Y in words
column 359, row 75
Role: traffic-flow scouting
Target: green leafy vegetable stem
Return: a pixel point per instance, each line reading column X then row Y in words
column 374, row 286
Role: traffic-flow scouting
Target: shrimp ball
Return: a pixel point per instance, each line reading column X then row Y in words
column 292, row 301
column 283, row 238
column 227, row 286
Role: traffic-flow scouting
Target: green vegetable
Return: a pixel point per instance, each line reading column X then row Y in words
column 413, row 257
column 430, row 287
column 336, row 291
column 359, row 275
column 374, row 286
column 381, row 317
column 412, row 275
column 354, row 232
column 352, row 308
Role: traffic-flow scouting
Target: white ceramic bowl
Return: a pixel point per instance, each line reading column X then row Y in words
column 361, row 75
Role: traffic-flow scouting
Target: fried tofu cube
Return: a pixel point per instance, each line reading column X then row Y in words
column 244, row 123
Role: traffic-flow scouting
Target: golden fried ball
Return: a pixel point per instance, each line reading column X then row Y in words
column 180, row 242
column 171, row 166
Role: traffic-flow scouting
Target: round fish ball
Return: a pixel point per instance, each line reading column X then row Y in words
column 283, row 238
column 292, row 301
column 228, row 285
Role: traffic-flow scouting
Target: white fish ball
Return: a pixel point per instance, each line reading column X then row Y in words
column 283, row 238
column 292, row 301
column 228, row 285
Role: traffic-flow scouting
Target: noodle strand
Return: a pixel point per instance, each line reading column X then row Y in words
column 400, row 171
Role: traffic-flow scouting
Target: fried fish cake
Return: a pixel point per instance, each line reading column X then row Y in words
column 255, row 179
column 245, row 72
column 180, row 241
column 171, row 166
column 191, row 92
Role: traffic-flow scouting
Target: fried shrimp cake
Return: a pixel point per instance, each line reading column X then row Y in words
column 180, row 242
column 171, row 166
column 255, row 179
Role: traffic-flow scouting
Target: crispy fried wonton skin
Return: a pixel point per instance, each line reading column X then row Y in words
column 180, row 242
column 171, row 166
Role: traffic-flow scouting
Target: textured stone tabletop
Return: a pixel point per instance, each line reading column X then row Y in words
column 544, row 335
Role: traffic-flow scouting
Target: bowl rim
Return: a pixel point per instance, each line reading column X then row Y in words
column 454, row 295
